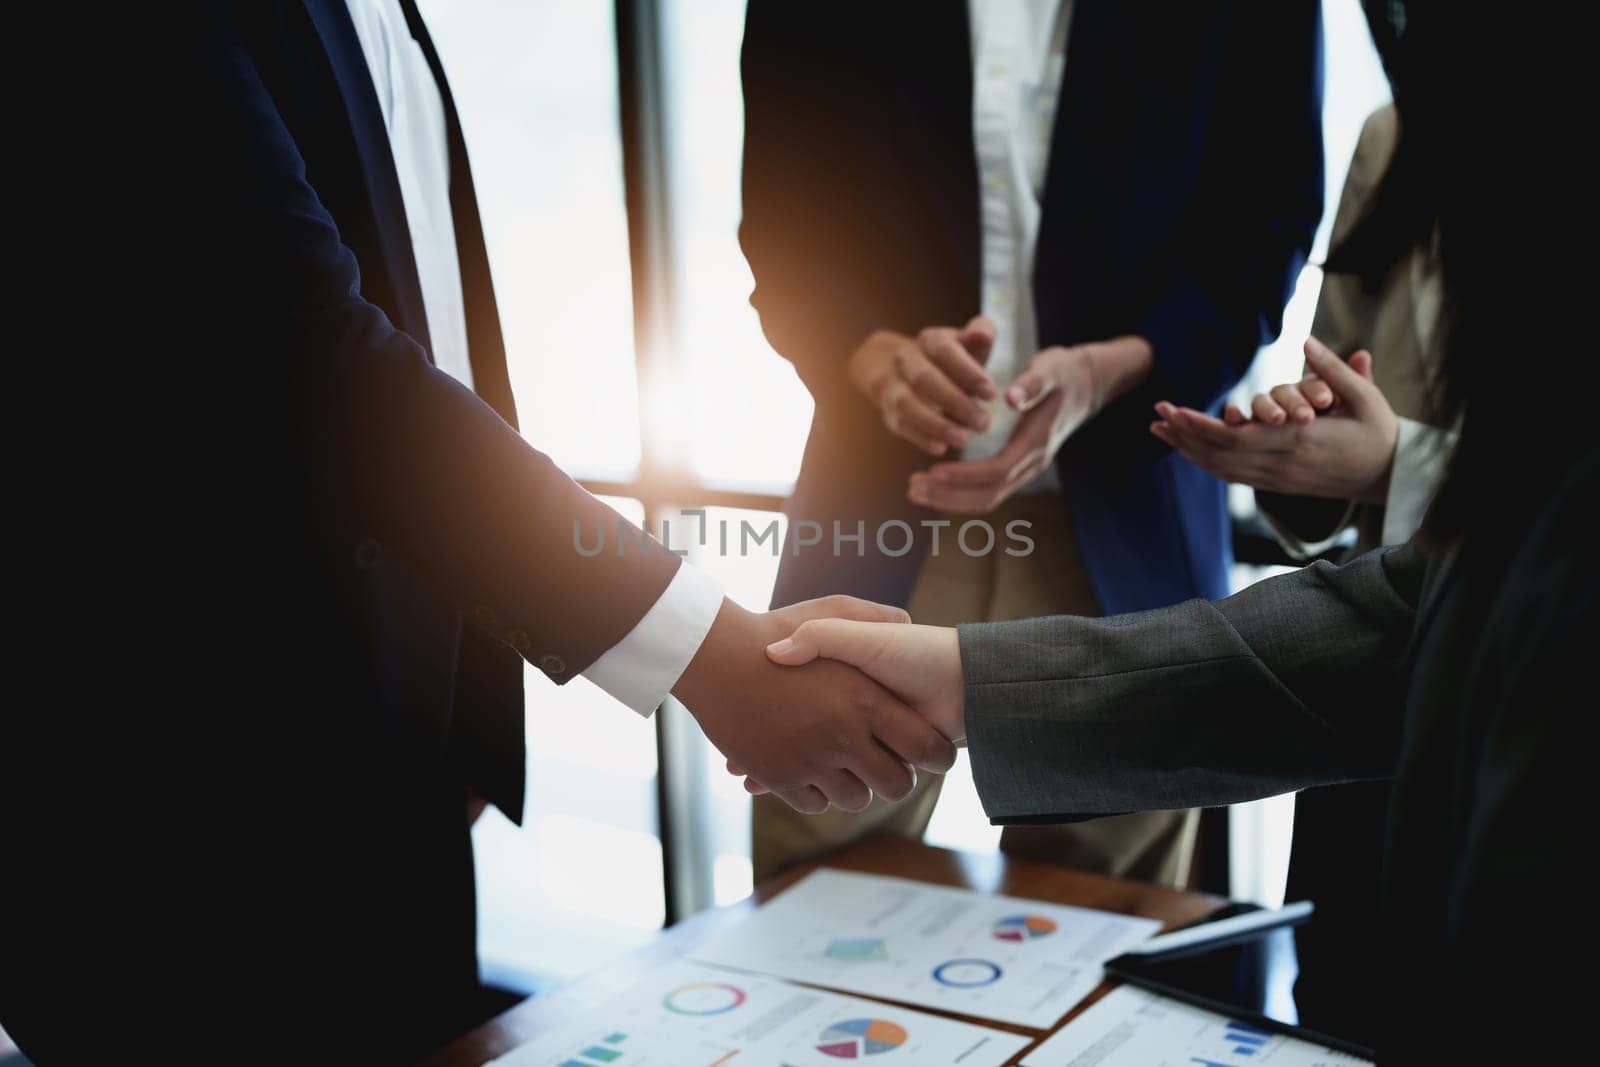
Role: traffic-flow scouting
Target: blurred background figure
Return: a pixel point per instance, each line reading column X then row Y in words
column 989, row 240
column 1348, row 449
column 1380, row 304
column 1381, row 291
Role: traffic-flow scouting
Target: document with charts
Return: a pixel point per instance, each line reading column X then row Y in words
column 1131, row 1027
column 686, row 1015
column 1005, row 958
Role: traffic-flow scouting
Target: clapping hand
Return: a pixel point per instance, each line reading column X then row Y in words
column 1331, row 434
column 1061, row 390
column 1054, row 396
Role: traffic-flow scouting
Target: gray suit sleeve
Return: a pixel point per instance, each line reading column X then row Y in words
column 1295, row 682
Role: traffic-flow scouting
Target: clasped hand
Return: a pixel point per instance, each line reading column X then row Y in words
column 823, row 734
column 932, row 390
column 919, row 665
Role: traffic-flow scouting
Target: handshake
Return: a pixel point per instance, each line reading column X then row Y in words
column 827, row 702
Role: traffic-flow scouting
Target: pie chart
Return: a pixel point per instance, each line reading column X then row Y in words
column 854, row 1038
column 1023, row 928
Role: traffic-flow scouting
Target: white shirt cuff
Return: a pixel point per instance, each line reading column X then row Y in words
column 641, row 669
column 1420, row 454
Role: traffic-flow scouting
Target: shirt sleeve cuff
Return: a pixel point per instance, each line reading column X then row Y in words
column 1420, row 454
column 641, row 669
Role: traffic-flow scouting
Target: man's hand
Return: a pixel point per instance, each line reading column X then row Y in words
column 824, row 734
column 1332, row 434
column 919, row 664
column 928, row 388
column 1062, row 389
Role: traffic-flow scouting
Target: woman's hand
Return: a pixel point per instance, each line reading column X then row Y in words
column 919, row 664
column 1332, row 434
column 930, row 388
column 1062, row 389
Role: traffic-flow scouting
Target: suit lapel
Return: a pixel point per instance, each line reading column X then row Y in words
column 1080, row 108
column 332, row 21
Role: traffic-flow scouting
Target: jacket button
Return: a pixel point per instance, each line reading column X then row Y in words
column 519, row 640
column 367, row 553
column 553, row 665
column 483, row 617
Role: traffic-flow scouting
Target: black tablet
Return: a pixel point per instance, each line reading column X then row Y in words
column 1282, row 978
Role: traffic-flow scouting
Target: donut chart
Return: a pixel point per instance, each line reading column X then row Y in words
column 967, row 974
column 855, row 1038
column 1023, row 928
column 703, row 998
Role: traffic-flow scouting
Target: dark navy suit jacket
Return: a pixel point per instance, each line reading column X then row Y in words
column 449, row 540
column 1183, row 190
column 354, row 554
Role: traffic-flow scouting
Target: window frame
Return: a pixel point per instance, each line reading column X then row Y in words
column 666, row 479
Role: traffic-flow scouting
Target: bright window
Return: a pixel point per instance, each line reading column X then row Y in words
column 536, row 85
column 747, row 411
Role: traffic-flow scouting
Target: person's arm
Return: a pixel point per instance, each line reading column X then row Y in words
column 444, row 483
column 1347, row 309
column 1297, row 681
column 1294, row 682
column 1348, row 302
column 1248, row 230
column 449, row 490
column 641, row 669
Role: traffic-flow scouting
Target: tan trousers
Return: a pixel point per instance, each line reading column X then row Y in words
column 954, row 588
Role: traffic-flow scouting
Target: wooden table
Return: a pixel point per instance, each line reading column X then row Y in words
column 986, row 873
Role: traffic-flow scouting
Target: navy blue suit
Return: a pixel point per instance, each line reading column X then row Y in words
column 354, row 553
column 449, row 541
column 1183, row 190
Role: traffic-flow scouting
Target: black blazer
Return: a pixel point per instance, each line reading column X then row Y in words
column 355, row 554
column 1184, row 187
